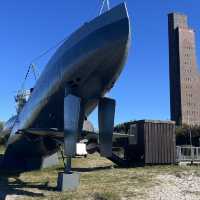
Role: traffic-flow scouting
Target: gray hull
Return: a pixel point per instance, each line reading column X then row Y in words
column 87, row 64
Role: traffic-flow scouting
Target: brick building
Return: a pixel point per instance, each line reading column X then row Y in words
column 184, row 74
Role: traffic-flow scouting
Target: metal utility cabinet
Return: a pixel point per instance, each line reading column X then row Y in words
column 150, row 142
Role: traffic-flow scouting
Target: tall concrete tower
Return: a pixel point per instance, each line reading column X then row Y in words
column 184, row 74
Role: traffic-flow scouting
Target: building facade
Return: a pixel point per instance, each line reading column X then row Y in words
column 184, row 74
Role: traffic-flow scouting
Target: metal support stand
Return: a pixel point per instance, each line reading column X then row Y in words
column 63, row 158
column 73, row 122
column 68, row 167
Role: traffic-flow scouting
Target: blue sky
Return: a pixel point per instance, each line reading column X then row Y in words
column 142, row 92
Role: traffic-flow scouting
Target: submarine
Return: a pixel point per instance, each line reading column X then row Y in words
column 74, row 82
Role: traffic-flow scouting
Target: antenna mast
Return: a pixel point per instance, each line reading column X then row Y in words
column 105, row 3
column 35, row 73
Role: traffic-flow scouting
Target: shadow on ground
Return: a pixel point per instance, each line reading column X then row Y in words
column 18, row 187
column 91, row 169
column 10, row 184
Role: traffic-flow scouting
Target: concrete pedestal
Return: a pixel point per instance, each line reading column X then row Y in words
column 50, row 161
column 68, row 181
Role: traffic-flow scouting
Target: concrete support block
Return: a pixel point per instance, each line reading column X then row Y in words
column 68, row 181
column 50, row 161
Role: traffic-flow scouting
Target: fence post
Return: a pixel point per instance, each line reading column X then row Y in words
column 197, row 153
column 179, row 153
column 192, row 153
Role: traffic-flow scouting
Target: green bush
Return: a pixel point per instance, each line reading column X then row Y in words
column 183, row 135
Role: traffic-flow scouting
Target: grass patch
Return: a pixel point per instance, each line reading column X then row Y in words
column 100, row 180
column 2, row 149
column 106, row 196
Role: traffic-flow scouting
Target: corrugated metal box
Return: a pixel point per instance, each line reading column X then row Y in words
column 153, row 142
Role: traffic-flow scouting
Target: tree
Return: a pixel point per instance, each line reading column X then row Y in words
column 1, row 125
column 183, row 136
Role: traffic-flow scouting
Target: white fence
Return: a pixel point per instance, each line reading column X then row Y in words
column 188, row 153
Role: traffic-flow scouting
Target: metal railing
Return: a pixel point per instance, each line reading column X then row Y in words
column 188, row 153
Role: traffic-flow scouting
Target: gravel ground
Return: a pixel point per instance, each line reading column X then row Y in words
column 183, row 186
column 13, row 197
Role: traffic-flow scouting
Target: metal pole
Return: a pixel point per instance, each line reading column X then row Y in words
column 108, row 4
column 103, row 4
column 63, row 158
column 34, row 71
column 190, row 132
column 68, row 165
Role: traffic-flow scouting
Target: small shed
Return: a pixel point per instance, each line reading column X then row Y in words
column 150, row 142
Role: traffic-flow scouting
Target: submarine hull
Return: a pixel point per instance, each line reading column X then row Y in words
column 87, row 64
